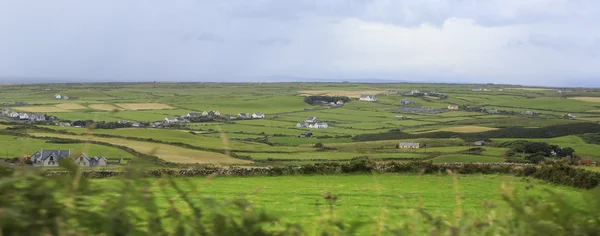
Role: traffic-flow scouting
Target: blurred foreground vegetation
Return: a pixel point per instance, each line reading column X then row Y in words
column 34, row 204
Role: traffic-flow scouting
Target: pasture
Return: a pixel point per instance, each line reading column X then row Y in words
column 379, row 197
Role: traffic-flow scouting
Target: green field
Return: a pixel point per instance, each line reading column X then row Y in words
column 451, row 158
column 299, row 199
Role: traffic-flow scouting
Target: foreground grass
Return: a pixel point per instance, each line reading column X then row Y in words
column 366, row 197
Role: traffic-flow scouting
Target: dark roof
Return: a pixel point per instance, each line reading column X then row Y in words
column 44, row 153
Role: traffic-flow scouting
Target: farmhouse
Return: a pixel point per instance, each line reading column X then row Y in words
column 406, row 102
column 245, row 115
column 49, row 157
column 368, row 98
column 340, row 102
column 170, row 120
column 212, row 113
column 136, row 124
column 453, row 107
column 85, row 161
column 305, row 135
column 123, row 122
column 492, row 111
column 58, row 96
column 191, row 115
column 23, row 116
column 37, row 117
column 319, row 125
column 302, row 124
column 311, row 119
column 408, row 145
column 477, row 90
column 414, row 92
column 258, row 115
column 64, row 124
column 479, row 143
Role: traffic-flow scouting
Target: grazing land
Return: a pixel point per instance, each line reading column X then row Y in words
column 104, row 107
column 587, row 99
column 143, row 106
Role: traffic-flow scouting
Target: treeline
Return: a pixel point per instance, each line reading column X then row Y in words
column 510, row 132
column 522, row 151
column 102, row 124
column 312, row 100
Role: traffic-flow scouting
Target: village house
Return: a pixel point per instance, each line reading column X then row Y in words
column 191, row 115
column 479, row 143
column 23, row 116
column 258, row 115
column 477, row 90
column 64, row 124
column 414, row 92
column 212, row 113
column 368, row 98
column 492, row 111
column 302, row 124
column 340, row 102
column 157, row 124
column 13, row 114
column 311, row 119
column 570, row 116
column 37, row 117
column 319, row 125
column 408, row 145
column 58, row 96
column 85, row 161
column 406, row 102
column 170, row 120
column 49, row 157
column 123, row 122
column 245, row 116
column 453, row 107
column 136, row 124
column 529, row 113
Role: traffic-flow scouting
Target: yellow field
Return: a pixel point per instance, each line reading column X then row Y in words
column 41, row 109
column 350, row 94
column 163, row 151
column 104, row 107
column 144, row 106
column 70, row 106
column 464, row 129
column 587, row 99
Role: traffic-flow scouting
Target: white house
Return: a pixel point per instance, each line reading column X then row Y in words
column 191, row 115
column 169, row 120
column 245, row 115
column 319, row 125
column 413, row 92
column 136, row 124
column 49, row 157
column 311, row 119
column 24, row 116
column 84, row 160
column 368, row 97
column 302, row 124
column 58, row 96
column 258, row 115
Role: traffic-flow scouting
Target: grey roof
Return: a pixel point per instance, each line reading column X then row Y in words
column 244, row 115
column 259, row 114
column 366, row 95
column 410, row 144
column 311, row 118
column 44, row 153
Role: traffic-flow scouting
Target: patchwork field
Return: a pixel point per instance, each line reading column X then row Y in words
column 351, row 94
column 586, row 99
column 466, row 129
column 104, row 107
column 70, row 106
column 143, row 106
column 38, row 109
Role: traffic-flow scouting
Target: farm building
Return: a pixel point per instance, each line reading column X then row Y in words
column 340, row 102
column 302, row 124
column 319, row 125
column 477, row 90
column 245, row 115
column 136, row 124
column 170, row 120
column 311, row 119
column 407, row 102
column 453, row 107
column 84, row 160
column 49, row 157
column 408, row 145
column 258, row 115
column 479, row 143
column 191, row 115
column 58, row 96
column 368, row 98
column 305, row 135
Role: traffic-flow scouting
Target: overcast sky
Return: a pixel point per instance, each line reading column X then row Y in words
column 542, row 42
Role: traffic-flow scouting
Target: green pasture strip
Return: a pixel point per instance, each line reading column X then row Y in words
column 451, row 158
column 14, row 146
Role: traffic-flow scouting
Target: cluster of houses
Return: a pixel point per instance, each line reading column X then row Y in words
column 58, row 96
column 425, row 110
column 405, row 102
column 211, row 113
column 22, row 116
column 50, row 158
column 367, row 98
column 433, row 94
column 484, row 90
column 313, row 123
